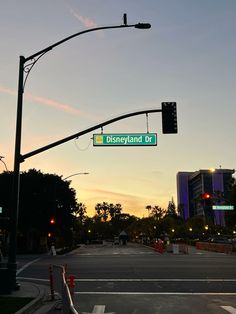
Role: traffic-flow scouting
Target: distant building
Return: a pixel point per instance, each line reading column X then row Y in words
column 193, row 187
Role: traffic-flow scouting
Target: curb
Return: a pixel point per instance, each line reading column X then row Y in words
column 35, row 303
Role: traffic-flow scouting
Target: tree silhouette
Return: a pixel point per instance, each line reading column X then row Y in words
column 171, row 209
column 42, row 196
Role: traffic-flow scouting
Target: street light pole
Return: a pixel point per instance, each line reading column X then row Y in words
column 25, row 67
column 14, row 209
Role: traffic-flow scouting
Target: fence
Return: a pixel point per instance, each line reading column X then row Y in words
column 59, row 284
column 215, row 247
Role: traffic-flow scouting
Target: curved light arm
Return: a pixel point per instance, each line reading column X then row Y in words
column 36, row 56
column 1, row 157
column 75, row 174
column 43, row 51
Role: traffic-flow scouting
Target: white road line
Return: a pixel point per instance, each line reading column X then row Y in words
column 33, row 279
column 26, row 265
column 134, row 280
column 229, row 309
column 98, row 309
column 153, row 280
column 156, row 293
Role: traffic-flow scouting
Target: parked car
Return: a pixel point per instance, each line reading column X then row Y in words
column 220, row 239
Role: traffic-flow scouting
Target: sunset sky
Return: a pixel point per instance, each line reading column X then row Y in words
column 188, row 56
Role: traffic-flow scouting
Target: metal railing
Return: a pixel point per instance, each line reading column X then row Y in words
column 59, row 284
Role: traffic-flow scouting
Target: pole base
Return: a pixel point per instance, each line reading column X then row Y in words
column 5, row 281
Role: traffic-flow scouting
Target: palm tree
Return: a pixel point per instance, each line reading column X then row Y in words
column 149, row 207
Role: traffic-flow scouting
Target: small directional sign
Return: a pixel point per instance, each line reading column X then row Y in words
column 126, row 139
column 223, row 207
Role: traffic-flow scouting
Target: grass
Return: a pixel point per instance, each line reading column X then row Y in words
column 10, row 305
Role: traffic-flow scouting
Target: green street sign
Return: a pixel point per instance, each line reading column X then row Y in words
column 126, row 139
column 223, row 207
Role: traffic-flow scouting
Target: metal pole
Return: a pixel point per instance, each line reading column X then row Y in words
column 90, row 129
column 16, row 183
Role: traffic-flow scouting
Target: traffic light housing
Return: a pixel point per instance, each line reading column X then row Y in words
column 169, row 118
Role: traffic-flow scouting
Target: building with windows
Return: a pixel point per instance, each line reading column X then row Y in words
column 198, row 191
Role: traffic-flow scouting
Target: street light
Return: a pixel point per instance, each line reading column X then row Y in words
column 25, row 66
column 1, row 157
column 75, row 174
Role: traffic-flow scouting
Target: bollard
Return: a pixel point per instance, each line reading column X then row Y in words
column 51, row 283
column 53, row 251
column 71, row 284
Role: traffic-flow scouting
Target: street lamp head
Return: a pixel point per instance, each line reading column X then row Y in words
column 212, row 170
column 142, row 25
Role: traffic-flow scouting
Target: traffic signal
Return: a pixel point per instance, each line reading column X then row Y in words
column 52, row 221
column 169, row 117
column 207, row 199
column 206, row 196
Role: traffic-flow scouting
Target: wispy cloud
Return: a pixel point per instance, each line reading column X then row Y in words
column 53, row 103
column 6, row 90
column 86, row 21
column 45, row 101
column 113, row 195
column 134, row 204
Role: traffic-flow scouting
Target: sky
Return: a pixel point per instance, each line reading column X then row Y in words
column 188, row 56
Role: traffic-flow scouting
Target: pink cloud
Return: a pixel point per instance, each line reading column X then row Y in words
column 53, row 103
column 86, row 21
column 46, row 102
column 8, row 91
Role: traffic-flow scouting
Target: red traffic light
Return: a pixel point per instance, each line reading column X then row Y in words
column 52, row 221
column 206, row 196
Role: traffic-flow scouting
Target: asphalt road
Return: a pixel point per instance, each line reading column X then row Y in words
column 135, row 279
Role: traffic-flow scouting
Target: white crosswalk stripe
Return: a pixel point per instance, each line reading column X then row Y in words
column 229, row 309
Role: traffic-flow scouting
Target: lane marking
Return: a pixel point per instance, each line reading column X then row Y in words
column 153, row 280
column 155, row 293
column 135, row 280
column 98, row 309
column 34, row 279
column 26, row 265
column 229, row 309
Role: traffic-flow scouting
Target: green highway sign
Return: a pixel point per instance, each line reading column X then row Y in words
column 223, row 207
column 126, row 139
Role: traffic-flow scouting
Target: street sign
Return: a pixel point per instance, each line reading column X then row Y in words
column 125, row 139
column 223, row 207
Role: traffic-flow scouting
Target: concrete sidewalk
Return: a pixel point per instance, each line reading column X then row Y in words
column 41, row 303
